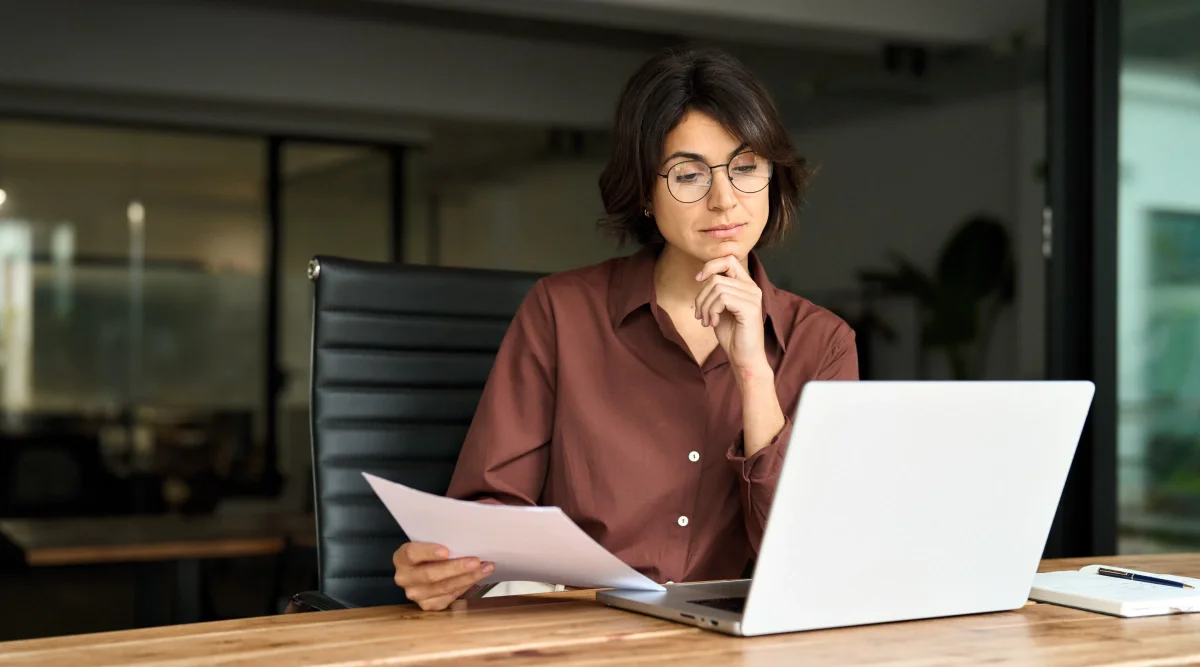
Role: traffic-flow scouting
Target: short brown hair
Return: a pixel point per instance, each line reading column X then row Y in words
column 655, row 100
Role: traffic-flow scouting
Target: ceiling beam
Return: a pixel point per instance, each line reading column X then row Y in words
column 828, row 24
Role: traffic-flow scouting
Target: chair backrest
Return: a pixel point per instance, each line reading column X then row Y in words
column 400, row 355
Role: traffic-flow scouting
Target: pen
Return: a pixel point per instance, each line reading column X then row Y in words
column 1140, row 577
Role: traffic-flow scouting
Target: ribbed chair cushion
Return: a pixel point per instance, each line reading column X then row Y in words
column 400, row 355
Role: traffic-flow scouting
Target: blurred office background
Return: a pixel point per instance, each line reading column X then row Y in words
column 169, row 167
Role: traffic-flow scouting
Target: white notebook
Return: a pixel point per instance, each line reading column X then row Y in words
column 1084, row 589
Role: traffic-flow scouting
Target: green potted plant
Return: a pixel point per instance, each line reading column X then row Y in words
column 958, row 304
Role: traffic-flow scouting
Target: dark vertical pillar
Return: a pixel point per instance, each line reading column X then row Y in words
column 274, row 376
column 399, row 198
column 1083, row 77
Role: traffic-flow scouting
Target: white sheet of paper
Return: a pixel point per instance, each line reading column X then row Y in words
column 526, row 543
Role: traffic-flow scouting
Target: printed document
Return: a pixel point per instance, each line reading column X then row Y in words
column 526, row 543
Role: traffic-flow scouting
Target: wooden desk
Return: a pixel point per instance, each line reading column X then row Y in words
column 570, row 628
column 178, row 542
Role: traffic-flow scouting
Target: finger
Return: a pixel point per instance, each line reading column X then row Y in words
column 718, row 266
column 462, row 581
column 441, row 602
column 415, row 553
column 713, row 315
column 435, row 603
column 706, row 289
column 423, row 573
column 433, row 572
column 746, row 288
column 451, row 588
column 727, row 265
column 733, row 298
column 737, row 305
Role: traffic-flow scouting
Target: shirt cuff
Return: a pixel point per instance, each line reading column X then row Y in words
column 766, row 462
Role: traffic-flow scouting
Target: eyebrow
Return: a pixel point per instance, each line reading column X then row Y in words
column 697, row 156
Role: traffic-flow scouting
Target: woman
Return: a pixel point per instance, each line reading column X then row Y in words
column 649, row 396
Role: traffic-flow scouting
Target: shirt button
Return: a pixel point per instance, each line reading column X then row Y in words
column 683, row 520
column 693, row 456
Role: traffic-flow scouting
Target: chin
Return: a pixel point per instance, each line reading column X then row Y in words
column 723, row 248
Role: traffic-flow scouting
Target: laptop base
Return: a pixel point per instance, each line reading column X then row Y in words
column 680, row 603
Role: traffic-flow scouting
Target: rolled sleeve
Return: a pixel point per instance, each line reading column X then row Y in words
column 758, row 474
column 763, row 464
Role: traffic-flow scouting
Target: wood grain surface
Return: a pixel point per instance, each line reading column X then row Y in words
column 572, row 629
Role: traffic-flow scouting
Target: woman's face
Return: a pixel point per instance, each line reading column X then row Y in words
column 709, row 222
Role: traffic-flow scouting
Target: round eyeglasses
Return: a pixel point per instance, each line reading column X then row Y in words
column 689, row 181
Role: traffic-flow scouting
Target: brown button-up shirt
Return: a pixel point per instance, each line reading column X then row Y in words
column 596, row 406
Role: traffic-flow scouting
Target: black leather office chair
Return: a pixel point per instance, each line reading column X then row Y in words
column 400, row 355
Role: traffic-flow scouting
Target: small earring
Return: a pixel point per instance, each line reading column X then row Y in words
column 647, row 212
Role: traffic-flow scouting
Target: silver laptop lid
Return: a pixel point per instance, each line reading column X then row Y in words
column 907, row 500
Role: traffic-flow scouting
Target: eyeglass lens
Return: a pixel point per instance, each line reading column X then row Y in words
column 691, row 180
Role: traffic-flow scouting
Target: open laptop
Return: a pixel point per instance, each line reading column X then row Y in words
column 898, row 501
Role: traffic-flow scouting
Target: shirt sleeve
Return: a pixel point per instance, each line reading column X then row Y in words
column 758, row 474
column 505, row 454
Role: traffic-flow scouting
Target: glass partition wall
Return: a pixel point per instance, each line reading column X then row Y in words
column 139, row 364
column 1158, row 277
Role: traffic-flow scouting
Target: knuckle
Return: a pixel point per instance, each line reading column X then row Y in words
column 449, row 585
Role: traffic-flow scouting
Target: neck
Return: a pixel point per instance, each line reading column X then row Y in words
column 675, row 281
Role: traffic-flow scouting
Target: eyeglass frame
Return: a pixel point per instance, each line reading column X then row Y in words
column 712, row 168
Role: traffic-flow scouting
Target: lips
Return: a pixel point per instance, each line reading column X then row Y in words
column 723, row 231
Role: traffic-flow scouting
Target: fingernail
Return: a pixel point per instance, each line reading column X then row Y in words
column 699, row 275
column 442, row 553
column 488, row 567
column 472, row 564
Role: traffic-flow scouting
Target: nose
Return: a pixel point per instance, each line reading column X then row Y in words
column 721, row 196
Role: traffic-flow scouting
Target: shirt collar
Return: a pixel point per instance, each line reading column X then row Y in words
column 633, row 288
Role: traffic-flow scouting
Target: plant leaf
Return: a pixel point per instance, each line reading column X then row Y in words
column 978, row 258
column 906, row 280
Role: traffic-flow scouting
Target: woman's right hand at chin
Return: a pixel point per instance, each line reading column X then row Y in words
column 431, row 579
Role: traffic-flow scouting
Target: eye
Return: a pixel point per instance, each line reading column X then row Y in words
column 689, row 173
column 746, row 164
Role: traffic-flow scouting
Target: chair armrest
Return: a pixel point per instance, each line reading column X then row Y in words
column 307, row 601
